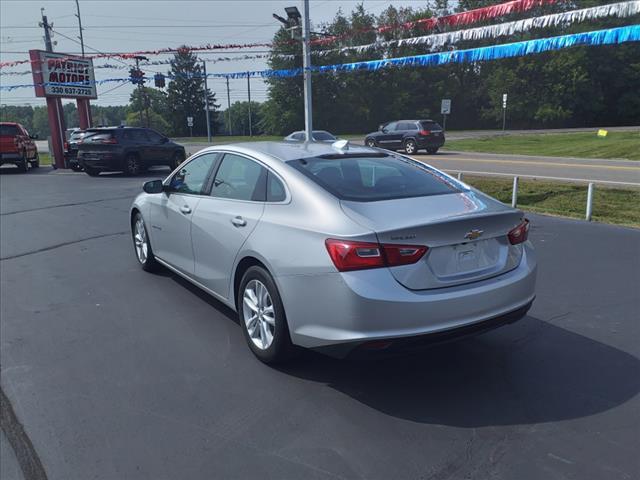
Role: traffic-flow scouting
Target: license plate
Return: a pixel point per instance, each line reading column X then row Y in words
column 467, row 260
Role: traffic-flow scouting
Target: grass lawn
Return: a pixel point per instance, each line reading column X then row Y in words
column 45, row 159
column 583, row 144
column 610, row 205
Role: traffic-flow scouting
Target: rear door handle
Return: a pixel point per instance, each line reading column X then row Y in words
column 185, row 209
column 239, row 221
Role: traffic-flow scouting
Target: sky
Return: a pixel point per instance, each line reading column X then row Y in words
column 125, row 25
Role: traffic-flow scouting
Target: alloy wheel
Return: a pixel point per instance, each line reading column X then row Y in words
column 410, row 147
column 133, row 165
column 140, row 240
column 258, row 314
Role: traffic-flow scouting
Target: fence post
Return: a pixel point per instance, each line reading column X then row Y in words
column 589, row 202
column 514, row 195
column 460, row 176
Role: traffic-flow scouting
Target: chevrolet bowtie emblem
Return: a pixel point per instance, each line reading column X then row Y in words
column 473, row 234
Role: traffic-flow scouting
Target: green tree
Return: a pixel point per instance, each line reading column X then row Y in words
column 185, row 95
column 239, row 112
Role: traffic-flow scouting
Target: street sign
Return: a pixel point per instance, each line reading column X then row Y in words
column 189, row 121
column 504, row 100
column 445, row 107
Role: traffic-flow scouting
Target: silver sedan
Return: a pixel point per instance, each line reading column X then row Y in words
column 338, row 248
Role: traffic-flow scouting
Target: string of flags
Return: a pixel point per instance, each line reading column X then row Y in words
column 610, row 36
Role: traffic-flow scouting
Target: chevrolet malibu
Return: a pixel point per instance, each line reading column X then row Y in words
column 337, row 248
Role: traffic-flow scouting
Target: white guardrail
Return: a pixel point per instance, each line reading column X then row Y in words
column 514, row 195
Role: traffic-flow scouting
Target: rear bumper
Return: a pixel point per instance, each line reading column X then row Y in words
column 356, row 307
column 102, row 161
column 10, row 157
column 430, row 142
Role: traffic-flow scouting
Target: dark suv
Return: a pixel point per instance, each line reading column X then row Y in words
column 126, row 149
column 410, row 135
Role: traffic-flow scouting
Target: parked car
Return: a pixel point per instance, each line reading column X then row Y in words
column 127, row 149
column 17, row 146
column 318, row 136
column 71, row 148
column 342, row 250
column 409, row 135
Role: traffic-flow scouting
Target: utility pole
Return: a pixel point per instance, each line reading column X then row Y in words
column 249, row 94
column 141, row 93
column 206, row 100
column 47, row 31
column 80, row 26
column 306, row 50
column 228, row 108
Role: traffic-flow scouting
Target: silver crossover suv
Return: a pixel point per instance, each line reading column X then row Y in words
column 343, row 249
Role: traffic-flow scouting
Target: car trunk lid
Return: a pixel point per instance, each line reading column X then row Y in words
column 466, row 234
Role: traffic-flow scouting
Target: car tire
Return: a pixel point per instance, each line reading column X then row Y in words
column 75, row 167
column 432, row 151
column 92, row 172
column 410, row 146
column 262, row 317
column 24, row 165
column 132, row 164
column 35, row 163
column 142, row 245
column 371, row 143
column 176, row 160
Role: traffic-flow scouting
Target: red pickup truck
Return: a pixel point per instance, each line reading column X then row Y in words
column 17, row 147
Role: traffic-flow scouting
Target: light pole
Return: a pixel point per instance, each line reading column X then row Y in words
column 206, row 100
column 292, row 23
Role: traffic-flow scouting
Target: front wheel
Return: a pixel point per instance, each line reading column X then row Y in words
column 371, row 143
column 410, row 147
column 24, row 165
column 35, row 162
column 432, row 151
column 141, row 245
column 92, row 172
column 132, row 164
column 262, row 317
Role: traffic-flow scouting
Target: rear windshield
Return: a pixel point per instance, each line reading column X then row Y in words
column 322, row 136
column 97, row 136
column 78, row 135
column 430, row 125
column 373, row 178
column 10, row 130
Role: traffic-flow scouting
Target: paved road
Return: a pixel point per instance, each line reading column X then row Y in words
column 116, row 373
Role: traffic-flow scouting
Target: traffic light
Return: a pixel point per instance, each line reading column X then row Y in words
column 158, row 78
column 136, row 76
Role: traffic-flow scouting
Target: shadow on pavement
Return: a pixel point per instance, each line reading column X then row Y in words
column 530, row 372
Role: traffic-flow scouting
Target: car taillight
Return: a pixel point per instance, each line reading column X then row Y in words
column 519, row 234
column 425, row 133
column 348, row 255
column 66, row 145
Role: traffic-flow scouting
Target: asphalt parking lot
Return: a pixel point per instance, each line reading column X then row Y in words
column 116, row 373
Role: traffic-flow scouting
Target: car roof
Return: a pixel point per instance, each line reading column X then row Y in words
column 287, row 151
column 9, row 123
column 314, row 131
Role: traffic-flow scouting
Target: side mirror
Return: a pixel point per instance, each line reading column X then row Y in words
column 153, row 186
column 34, row 136
column 164, row 140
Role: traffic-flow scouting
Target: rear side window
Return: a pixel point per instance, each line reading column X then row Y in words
column 239, row 178
column 323, row 136
column 9, row 130
column 374, row 178
column 134, row 136
column 275, row 189
column 430, row 125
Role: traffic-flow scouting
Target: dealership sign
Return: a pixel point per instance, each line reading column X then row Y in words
column 62, row 75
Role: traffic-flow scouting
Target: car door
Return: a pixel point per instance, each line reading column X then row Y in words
column 223, row 220
column 385, row 139
column 158, row 148
column 171, row 212
column 397, row 137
